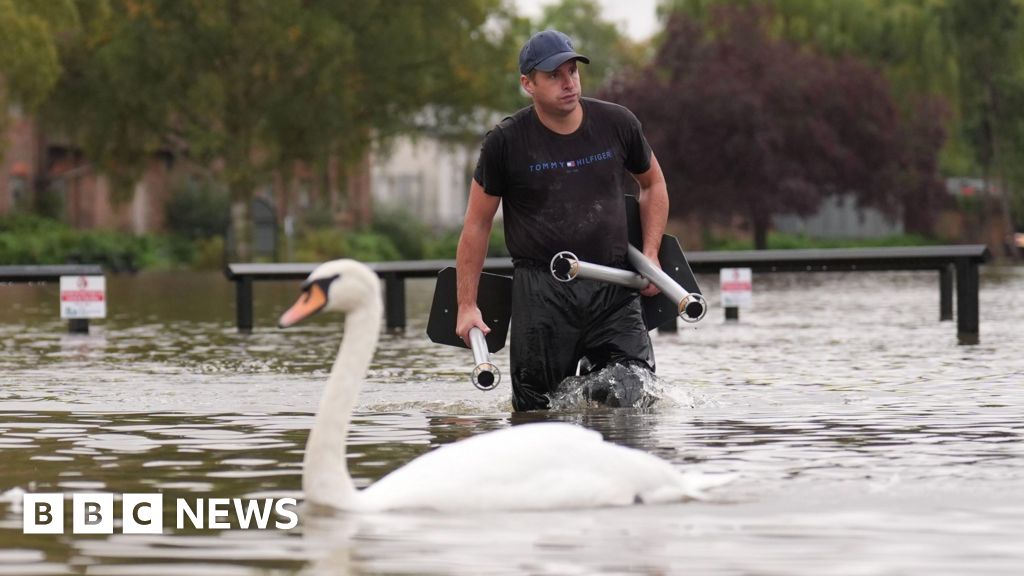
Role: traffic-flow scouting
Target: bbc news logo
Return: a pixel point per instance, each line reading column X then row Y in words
column 43, row 513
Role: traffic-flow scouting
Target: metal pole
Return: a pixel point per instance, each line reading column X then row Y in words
column 78, row 326
column 967, row 301
column 243, row 304
column 946, row 292
column 692, row 307
column 394, row 301
column 485, row 375
column 566, row 266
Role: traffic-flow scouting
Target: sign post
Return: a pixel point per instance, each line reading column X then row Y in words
column 737, row 290
column 82, row 298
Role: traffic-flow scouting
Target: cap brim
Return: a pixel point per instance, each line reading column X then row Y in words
column 551, row 62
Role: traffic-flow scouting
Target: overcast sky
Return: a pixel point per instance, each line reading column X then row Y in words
column 634, row 17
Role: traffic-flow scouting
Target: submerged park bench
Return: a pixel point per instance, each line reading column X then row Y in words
column 51, row 273
column 959, row 261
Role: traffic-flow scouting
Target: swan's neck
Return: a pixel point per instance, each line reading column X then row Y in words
column 325, row 478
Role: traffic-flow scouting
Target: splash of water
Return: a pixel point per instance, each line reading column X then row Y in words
column 616, row 386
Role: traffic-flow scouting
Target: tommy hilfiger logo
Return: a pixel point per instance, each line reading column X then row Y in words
column 568, row 164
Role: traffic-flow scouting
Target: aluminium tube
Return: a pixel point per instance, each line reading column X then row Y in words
column 485, row 375
column 692, row 307
column 565, row 266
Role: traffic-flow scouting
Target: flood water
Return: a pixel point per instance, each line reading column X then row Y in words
column 862, row 439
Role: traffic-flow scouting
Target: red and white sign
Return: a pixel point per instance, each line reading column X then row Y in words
column 737, row 287
column 83, row 297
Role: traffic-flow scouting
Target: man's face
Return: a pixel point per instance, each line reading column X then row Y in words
column 556, row 92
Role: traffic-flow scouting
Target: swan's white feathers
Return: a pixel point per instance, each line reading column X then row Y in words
column 531, row 466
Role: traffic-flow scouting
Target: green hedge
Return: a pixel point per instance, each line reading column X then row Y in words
column 777, row 241
column 27, row 239
column 392, row 236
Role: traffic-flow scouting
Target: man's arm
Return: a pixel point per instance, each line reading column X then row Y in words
column 469, row 259
column 653, row 201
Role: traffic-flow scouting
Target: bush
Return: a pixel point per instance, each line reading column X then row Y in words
column 320, row 244
column 442, row 246
column 407, row 234
column 28, row 239
column 327, row 244
column 209, row 253
column 777, row 241
column 198, row 209
column 372, row 247
column 394, row 235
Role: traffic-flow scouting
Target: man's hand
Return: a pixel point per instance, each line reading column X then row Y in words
column 469, row 316
column 651, row 289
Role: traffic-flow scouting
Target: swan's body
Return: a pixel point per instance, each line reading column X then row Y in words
column 532, row 466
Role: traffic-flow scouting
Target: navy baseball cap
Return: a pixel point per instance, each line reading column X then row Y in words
column 546, row 51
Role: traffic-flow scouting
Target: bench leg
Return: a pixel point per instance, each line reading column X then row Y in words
column 946, row 292
column 967, row 302
column 78, row 326
column 243, row 304
column 394, row 301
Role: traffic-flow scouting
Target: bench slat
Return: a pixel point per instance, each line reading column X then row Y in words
column 47, row 273
column 889, row 258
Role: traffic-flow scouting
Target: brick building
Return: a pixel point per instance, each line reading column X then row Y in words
column 37, row 166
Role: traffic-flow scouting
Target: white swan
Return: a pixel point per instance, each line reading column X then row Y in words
column 532, row 466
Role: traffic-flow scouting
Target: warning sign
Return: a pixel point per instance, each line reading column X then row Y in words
column 83, row 297
column 737, row 287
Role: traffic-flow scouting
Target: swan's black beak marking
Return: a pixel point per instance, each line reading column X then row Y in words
column 312, row 300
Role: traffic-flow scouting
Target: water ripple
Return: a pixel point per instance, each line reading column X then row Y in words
column 861, row 443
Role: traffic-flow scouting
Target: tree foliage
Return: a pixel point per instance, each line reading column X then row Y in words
column 746, row 123
column 29, row 61
column 245, row 87
column 989, row 41
column 610, row 51
column 971, row 53
column 256, row 82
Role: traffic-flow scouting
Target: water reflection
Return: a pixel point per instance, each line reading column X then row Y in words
column 868, row 444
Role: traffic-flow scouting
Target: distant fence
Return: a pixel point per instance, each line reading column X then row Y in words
column 959, row 263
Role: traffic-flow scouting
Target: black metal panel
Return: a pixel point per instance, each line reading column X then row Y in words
column 494, row 298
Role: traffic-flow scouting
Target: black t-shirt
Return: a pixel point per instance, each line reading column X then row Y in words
column 565, row 192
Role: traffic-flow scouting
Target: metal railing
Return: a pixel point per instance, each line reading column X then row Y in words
column 959, row 262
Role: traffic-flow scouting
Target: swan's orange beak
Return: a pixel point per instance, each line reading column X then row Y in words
column 312, row 300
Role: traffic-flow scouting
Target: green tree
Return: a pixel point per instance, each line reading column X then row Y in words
column 248, row 86
column 907, row 39
column 989, row 37
column 29, row 62
column 971, row 53
column 749, row 123
column 609, row 50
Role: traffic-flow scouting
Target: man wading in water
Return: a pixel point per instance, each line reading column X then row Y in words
column 558, row 167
